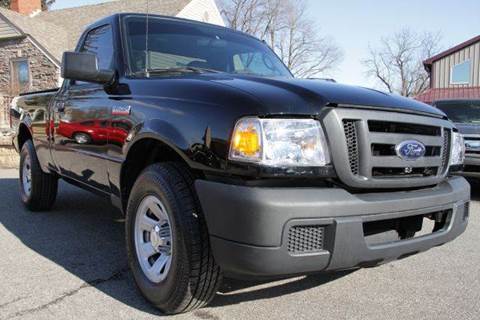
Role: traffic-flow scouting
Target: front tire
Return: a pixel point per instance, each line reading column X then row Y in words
column 167, row 241
column 38, row 190
column 82, row 138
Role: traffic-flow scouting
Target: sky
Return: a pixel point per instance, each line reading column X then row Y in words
column 356, row 24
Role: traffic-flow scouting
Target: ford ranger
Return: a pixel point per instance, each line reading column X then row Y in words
column 225, row 164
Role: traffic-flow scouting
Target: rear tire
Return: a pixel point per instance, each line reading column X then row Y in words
column 38, row 190
column 190, row 279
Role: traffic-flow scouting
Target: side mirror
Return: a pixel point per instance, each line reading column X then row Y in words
column 84, row 67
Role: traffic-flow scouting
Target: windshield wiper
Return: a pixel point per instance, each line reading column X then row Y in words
column 180, row 70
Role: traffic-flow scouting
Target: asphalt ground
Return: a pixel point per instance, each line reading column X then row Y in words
column 70, row 263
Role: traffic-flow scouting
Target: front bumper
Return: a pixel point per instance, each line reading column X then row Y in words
column 250, row 226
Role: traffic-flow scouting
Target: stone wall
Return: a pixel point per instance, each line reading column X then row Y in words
column 44, row 73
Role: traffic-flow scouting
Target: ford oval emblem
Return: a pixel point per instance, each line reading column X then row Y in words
column 410, row 150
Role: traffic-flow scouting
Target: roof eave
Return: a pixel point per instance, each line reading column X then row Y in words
column 13, row 25
column 429, row 62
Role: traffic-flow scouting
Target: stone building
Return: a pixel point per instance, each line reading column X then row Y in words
column 32, row 42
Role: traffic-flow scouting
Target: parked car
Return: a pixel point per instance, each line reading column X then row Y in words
column 466, row 116
column 95, row 131
column 231, row 166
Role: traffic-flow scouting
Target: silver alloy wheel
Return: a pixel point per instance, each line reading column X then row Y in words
column 153, row 239
column 81, row 138
column 27, row 176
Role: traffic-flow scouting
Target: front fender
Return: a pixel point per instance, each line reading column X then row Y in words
column 162, row 131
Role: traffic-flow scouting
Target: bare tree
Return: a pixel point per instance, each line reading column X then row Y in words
column 397, row 63
column 244, row 15
column 305, row 52
column 286, row 27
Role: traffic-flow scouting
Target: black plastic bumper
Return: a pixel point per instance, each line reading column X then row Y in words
column 249, row 226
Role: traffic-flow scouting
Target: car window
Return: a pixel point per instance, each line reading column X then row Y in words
column 99, row 41
column 461, row 111
column 174, row 44
column 255, row 62
column 160, row 60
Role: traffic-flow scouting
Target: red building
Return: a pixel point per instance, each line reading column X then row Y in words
column 454, row 73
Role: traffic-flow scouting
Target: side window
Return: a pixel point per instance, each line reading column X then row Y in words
column 461, row 73
column 99, row 41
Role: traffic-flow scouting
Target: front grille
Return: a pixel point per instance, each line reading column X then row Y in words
column 379, row 149
column 403, row 128
column 446, row 149
column 367, row 157
column 407, row 172
column 305, row 239
column 352, row 144
column 471, row 168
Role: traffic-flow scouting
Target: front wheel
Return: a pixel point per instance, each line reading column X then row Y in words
column 38, row 189
column 82, row 138
column 167, row 241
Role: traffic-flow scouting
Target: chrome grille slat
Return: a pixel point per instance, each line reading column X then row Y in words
column 396, row 162
column 395, row 138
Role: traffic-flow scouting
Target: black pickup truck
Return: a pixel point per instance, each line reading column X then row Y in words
column 225, row 164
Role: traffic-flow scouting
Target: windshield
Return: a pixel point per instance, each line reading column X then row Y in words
column 461, row 111
column 189, row 47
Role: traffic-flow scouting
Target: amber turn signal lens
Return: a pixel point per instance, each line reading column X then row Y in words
column 247, row 141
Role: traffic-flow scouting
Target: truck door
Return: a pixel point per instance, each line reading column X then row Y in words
column 82, row 118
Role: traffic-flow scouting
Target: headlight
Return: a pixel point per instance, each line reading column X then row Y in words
column 280, row 142
column 457, row 155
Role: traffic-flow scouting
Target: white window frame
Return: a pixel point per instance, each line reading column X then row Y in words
column 469, row 72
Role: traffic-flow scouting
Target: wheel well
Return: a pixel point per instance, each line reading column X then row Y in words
column 141, row 155
column 23, row 136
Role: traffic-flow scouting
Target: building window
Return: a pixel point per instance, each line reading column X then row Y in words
column 20, row 76
column 461, row 73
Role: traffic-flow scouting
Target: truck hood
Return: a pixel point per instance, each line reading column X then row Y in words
column 305, row 96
